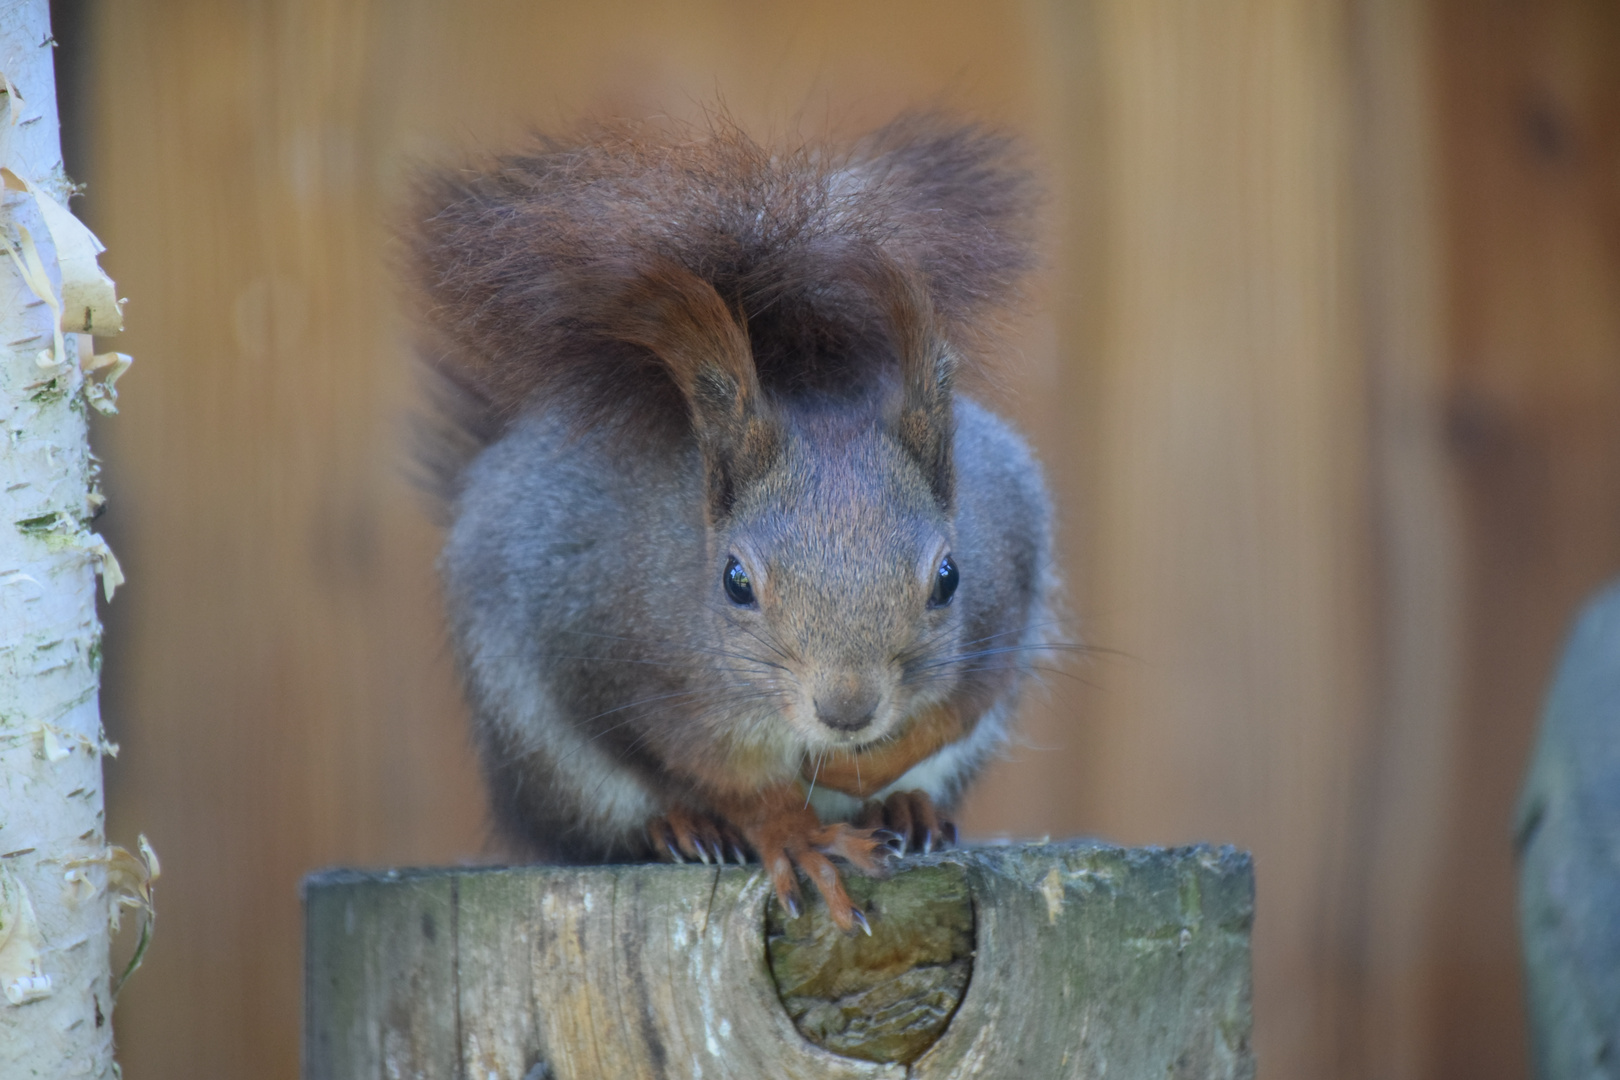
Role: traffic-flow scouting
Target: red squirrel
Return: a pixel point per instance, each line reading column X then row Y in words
column 732, row 568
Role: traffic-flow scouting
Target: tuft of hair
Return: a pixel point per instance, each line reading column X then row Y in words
column 518, row 262
column 451, row 428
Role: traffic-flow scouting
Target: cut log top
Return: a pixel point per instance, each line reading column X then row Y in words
column 1025, row 961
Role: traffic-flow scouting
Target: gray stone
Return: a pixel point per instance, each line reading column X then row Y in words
column 1567, row 831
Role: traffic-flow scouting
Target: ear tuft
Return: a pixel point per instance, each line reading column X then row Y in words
column 682, row 320
column 924, row 423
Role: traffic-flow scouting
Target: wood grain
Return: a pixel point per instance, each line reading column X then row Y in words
column 1232, row 566
column 1530, row 103
column 1088, row 958
column 885, row 995
column 1399, row 794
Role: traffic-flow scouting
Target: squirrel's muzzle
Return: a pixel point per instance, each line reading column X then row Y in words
column 848, row 704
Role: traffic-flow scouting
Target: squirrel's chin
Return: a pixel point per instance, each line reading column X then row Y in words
column 830, row 740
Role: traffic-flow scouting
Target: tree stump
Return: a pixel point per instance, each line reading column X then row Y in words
column 1025, row 961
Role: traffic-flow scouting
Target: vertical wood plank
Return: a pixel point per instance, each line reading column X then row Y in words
column 1231, row 565
column 1530, row 98
column 278, row 675
column 1401, row 794
column 1040, row 786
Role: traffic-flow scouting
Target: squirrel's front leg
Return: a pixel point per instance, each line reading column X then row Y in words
column 786, row 836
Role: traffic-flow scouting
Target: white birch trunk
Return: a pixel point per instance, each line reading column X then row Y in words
column 55, row 985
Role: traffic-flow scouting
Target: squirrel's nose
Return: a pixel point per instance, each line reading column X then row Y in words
column 848, row 705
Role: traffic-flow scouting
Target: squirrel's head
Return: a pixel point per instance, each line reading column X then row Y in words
column 835, row 567
column 833, row 578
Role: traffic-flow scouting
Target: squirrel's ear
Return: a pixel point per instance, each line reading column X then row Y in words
column 924, row 425
column 679, row 317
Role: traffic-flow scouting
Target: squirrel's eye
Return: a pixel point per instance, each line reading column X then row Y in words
column 739, row 590
column 945, row 581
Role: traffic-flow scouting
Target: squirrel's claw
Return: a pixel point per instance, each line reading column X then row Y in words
column 790, row 840
column 688, row 836
column 868, row 850
column 824, row 875
column 787, row 837
column 785, row 882
column 911, row 816
column 662, row 840
column 794, row 839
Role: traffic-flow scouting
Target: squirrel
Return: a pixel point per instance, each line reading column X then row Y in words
column 732, row 568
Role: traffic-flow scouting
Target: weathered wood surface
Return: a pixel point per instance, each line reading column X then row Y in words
column 885, row 996
column 1089, row 960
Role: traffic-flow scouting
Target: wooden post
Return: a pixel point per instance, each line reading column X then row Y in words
column 1078, row 958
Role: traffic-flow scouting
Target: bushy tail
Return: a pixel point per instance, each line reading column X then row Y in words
column 515, row 260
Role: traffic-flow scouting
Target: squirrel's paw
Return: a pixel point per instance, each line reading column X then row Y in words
column 683, row 835
column 798, row 841
column 912, row 816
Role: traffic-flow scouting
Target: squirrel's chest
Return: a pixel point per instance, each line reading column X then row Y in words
column 866, row 772
column 941, row 774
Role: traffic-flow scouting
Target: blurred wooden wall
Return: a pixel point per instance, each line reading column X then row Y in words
column 1530, row 145
column 1325, row 369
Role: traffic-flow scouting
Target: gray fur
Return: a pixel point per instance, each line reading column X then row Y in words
column 607, row 670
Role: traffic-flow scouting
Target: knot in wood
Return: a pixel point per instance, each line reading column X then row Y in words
column 886, row 997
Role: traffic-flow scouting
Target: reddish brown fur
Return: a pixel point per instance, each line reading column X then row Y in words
column 867, row 772
column 785, row 833
column 527, row 265
column 927, row 370
column 680, row 319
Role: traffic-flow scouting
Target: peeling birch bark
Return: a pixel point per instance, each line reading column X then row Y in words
column 55, row 985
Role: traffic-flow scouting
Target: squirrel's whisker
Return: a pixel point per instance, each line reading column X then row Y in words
column 1006, row 650
column 684, row 647
column 820, row 754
